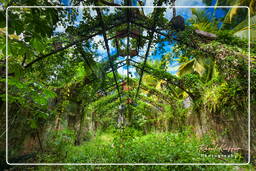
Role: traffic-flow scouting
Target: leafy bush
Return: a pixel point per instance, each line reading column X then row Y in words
column 130, row 146
column 58, row 144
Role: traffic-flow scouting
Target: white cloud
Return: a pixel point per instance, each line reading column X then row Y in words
column 122, row 71
column 173, row 68
column 168, row 13
column 132, row 70
column 147, row 11
column 93, row 12
column 79, row 17
column 186, row 12
column 111, row 10
column 180, row 11
column 60, row 29
column 98, row 40
column 137, row 59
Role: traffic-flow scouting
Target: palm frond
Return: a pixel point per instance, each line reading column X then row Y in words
column 241, row 30
column 199, row 67
column 186, row 68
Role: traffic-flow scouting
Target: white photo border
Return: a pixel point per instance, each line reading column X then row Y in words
column 105, row 164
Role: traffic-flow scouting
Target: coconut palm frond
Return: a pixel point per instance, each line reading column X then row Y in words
column 186, row 68
column 199, row 67
column 241, row 30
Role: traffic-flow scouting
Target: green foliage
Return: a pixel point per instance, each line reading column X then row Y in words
column 58, row 144
column 70, row 88
column 130, row 146
column 226, row 37
column 192, row 81
column 242, row 29
column 102, row 102
column 203, row 21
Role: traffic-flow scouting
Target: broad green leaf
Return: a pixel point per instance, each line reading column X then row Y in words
column 43, row 115
column 199, row 68
column 37, row 44
column 15, row 82
column 241, row 30
column 186, row 68
column 40, row 100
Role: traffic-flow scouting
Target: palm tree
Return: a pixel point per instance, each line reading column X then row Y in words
column 203, row 21
column 234, row 11
column 201, row 65
column 241, row 29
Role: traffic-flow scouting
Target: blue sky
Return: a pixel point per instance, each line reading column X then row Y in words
column 185, row 12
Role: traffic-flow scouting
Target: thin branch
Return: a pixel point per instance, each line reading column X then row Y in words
column 24, row 59
column 67, row 46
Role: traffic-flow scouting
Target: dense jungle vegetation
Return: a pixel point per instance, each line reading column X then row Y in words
column 127, row 85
